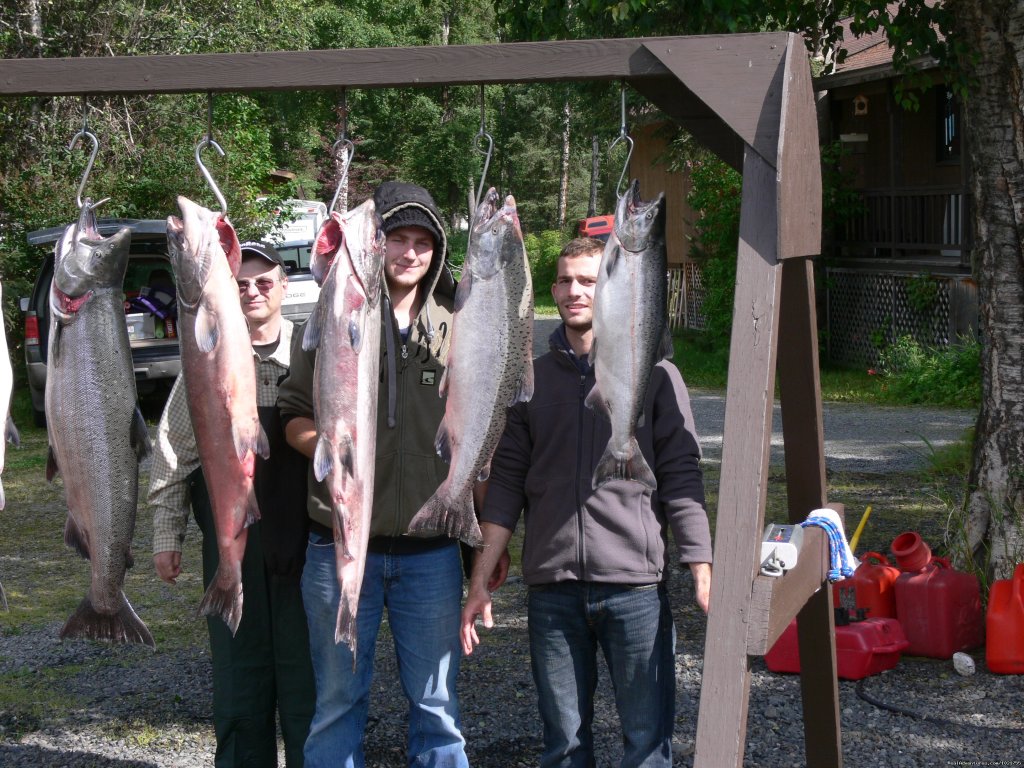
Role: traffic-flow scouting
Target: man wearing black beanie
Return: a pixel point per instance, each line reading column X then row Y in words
column 417, row 579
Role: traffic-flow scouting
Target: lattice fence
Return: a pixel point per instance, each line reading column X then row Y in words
column 686, row 297
column 867, row 310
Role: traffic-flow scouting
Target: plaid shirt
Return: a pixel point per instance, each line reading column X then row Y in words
column 175, row 455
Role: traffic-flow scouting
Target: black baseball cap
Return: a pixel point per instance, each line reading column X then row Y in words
column 263, row 251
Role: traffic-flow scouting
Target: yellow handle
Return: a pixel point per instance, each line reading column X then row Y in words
column 860, row 527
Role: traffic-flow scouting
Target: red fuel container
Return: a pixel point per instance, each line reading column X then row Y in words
column 1004, row 637
column 871, row 587
column 863, row 648
column 940, row 610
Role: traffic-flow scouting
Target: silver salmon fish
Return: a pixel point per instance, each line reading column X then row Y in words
column 489, row 368
column 216, row 361
column 344, row 328
column 630, row 331
column 97, row 434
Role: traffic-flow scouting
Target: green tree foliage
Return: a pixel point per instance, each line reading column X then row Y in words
column 715, row 196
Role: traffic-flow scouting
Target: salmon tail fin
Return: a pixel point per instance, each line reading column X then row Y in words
column 3, row 598
column 455, row 518
column 124, row 626
column 76, row 537
column 224, row 597
column 345, row 628
column 633, row 467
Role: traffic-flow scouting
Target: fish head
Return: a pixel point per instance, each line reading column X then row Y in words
column 328, row 242
column 195, row 241
column 496, row 232
column 85, row 261
column 639, row 224
column 364, row 241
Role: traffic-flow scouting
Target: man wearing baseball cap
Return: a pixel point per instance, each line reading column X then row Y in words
column 263, row 673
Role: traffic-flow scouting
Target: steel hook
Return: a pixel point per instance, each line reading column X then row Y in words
column 346, row 149
column 209, row 142
column 86, row 134
column 483, row 134
column 623, row 136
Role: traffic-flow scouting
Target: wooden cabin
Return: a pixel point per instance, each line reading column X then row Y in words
column 899, row 263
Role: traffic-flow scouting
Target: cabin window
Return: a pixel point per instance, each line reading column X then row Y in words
column 947, row 147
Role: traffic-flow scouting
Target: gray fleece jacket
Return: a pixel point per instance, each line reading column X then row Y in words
column 543, row 467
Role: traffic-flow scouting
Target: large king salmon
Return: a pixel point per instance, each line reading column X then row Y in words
column 97, row 435
column 344, row 328
column 489, row 368
column 630, row 331
column 217, row 363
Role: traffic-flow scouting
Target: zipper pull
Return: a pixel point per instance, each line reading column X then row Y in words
column 405, row 352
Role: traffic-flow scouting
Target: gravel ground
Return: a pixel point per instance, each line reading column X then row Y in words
column 143, row 708
column 129, row 707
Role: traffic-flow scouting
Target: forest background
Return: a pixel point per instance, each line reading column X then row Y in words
column 550, row 140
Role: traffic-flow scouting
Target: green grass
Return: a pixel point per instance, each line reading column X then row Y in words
column 705, row 366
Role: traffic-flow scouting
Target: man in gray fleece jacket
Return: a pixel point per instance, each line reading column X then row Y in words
column 596, row 561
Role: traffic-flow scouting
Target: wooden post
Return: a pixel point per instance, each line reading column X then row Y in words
column 746, row 443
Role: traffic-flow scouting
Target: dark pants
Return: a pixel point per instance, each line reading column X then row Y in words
column 265, row 666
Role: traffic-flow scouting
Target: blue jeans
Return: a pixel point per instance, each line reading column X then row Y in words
column 423, row 594
column 634, row 628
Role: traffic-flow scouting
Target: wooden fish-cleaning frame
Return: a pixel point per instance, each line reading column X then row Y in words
column 748, row 98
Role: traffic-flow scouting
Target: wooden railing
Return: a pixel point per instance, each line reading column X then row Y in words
column 910, row 223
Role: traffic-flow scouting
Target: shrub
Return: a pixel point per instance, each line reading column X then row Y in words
column 542, row 249
column 919, row 374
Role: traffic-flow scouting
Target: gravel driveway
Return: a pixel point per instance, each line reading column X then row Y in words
column 129, row 707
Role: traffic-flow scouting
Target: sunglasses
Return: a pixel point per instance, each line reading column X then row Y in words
column 263, row 285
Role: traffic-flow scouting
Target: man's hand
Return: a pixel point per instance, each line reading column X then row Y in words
column 702, row 584
column 490, row 567
column 168, row 565
column 478, row 603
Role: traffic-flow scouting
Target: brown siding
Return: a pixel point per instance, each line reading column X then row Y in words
column 648, row 166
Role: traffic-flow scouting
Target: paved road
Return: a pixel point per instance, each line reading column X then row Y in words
column 858, row 438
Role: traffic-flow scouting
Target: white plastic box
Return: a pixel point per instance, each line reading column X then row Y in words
column 140, row 325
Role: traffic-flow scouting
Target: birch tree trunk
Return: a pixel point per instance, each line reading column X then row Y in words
column 994, row 31
column 563, row 182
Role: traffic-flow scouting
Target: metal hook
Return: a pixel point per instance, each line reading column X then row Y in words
column 345, row 146
column 623, row 136
column 85, row 134
column 483, row 134
column 209, row 142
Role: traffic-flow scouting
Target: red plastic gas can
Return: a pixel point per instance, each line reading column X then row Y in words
column 940, row 610
column 1004, row 624
column 871, row 587
column 863, row 648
